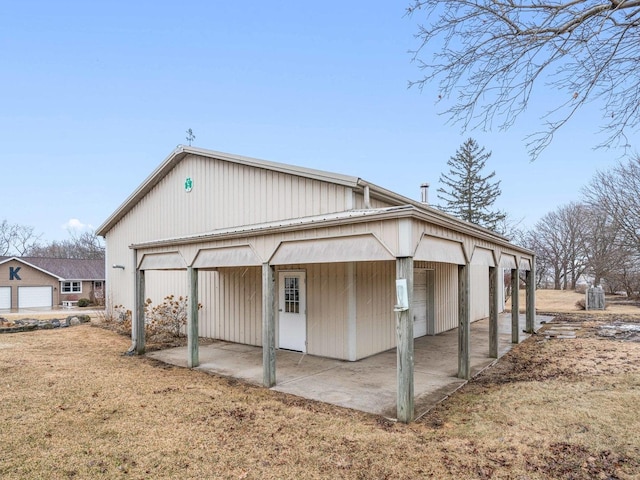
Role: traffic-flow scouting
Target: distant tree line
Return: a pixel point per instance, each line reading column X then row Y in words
column 596, row 239
column 23, row 241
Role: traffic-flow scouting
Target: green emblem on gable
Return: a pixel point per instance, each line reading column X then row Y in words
column 188, row 185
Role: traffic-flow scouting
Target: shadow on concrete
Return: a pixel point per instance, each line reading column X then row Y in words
column 369, row 384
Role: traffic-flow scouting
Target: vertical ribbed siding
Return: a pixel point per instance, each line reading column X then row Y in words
column 232, row 304
column 374, row 311
column 327, row 310
column 224, row 194
column 161, row 284
column 373, row 202
column 446, row 296
column 479, row 292
column 446, row 301
column 205, row 314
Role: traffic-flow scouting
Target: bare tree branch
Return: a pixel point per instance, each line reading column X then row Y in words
column 487, row 56
column 16, row 239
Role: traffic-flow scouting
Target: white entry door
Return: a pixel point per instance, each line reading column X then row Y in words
column 422, row 304
column 292, row 311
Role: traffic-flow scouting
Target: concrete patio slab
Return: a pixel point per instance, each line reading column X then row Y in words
column 369, row 384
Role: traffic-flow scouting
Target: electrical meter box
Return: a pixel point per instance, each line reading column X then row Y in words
column 402, row 296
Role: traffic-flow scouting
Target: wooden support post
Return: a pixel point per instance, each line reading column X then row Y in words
column 493, row 312
column 404, row 337
column 531, row 298
column 139, row 340
column 268, row 326
column 193, row 359
column 464, row 322
column 515, row 305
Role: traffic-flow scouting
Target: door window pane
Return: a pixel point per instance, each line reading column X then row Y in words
column 291, row 295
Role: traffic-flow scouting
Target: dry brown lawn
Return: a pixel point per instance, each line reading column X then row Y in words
column 74, row 407
column 564, row 301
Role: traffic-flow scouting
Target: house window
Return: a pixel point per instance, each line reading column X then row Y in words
column 97, row 285
column 71, row 287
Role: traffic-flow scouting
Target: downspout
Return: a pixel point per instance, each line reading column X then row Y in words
column 365, row 193
column 134, row 333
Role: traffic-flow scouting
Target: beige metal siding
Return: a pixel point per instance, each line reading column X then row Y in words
column 120, row 283
column 446, row 296
column 373, row 202
column 375, row 318
column 226, row 194
column 232, row 304
column 479, row 292
column 327, row 310
column 160, row 284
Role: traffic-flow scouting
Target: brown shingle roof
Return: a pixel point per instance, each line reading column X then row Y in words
column 66, row 268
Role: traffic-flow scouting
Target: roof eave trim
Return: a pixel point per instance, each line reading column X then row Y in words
column 436, row 215
column 406, row 211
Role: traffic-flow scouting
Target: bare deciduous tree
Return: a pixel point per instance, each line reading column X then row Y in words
column 6, row 237
column 617, row 192
column 85, row 246
column 559, row 244
column 24, row 239
column 17, row 239
column 544, row 267
column 625, row 278
column 489, row 55
column 604, row 252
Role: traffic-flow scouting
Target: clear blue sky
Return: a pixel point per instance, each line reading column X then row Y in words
column 94, row 95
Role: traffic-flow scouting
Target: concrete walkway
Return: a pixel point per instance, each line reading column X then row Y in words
column 368, row 385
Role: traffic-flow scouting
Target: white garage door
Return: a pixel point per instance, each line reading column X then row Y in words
column 422, row 306
column 35, row 297
column 5, row 298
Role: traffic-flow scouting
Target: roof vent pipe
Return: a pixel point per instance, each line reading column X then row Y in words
column 424, row 193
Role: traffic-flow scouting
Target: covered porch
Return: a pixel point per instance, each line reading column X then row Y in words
column 369, row 385
column 365, row 253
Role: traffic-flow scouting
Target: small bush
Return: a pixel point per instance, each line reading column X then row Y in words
column 117, row 318
column 84, row 302
column 168, row 317
column 581, row 304
column 582, row 288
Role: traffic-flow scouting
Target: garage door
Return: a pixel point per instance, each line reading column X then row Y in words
column 5, row 298
column 422, row 306
column 35, row 297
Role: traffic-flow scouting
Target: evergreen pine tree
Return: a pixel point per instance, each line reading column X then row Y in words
column 465, row 192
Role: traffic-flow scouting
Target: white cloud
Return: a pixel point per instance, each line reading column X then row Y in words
column 76, row 225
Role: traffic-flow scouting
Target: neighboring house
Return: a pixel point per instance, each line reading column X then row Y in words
column 34, row 282
column 287, row 257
